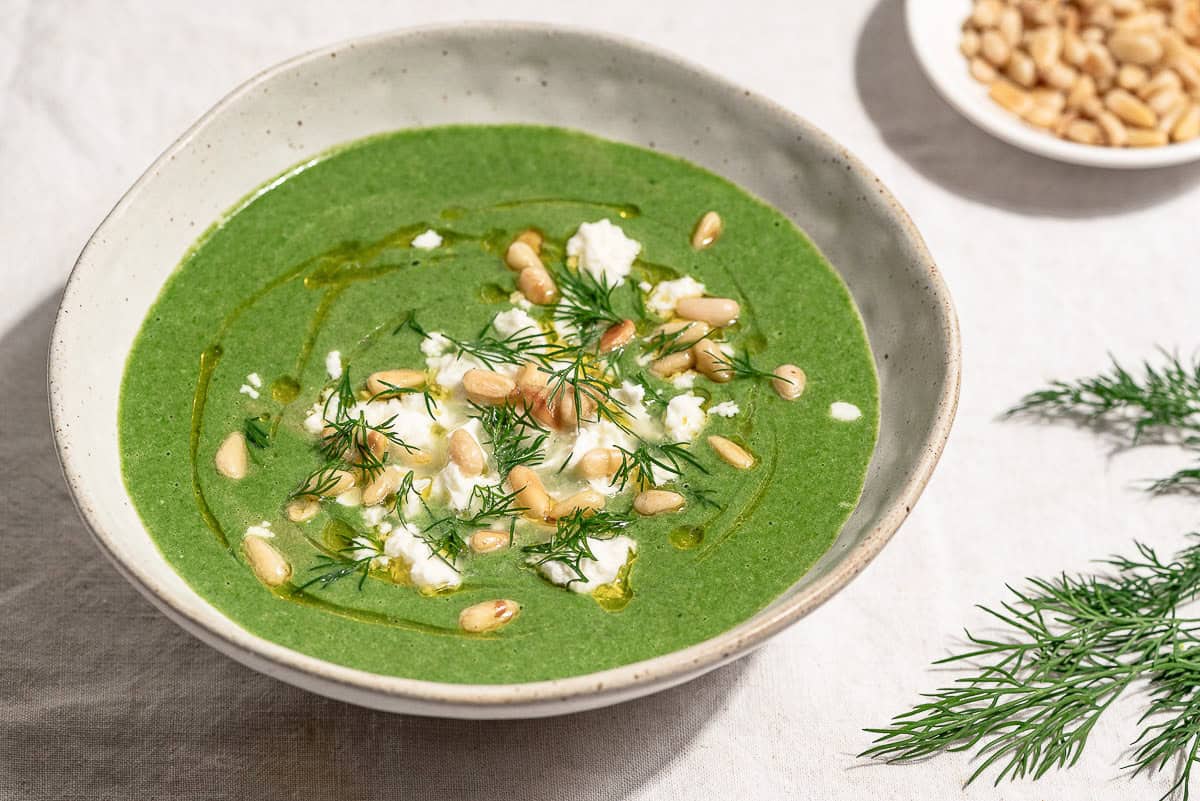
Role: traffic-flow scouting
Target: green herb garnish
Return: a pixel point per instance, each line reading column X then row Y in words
column 514, row 437
column 258, row 431
column 569, row 543
column 739, row 365
column 638, row 465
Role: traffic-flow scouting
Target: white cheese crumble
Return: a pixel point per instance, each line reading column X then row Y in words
column 611, row 555
column 428, row 240
column 263, row 530
column 333, row 364
column 453, row 489
column 254, row 380
column 684, row 417
column 515, row 321
column 846, row 412
column 604, row 252
column 666, row 294
column 519, row 300
column 645, row 286
column 246, row 389
column 448, row 366
column 684, row 380
column 725, row 409
column 373, row 515
column 351, row 497
column 427, row 570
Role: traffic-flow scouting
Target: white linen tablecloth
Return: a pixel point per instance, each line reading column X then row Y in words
column 1051, row 267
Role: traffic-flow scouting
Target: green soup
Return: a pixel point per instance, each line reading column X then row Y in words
column 323, row 260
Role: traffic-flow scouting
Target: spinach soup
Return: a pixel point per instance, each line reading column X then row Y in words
column 494, row 404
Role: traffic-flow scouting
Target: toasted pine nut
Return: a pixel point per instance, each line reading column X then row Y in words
column 1011, row 26
column 1041, row 116
column 1130, row 109
column 1049, row 98
column 789, row 381
column 1135, row 47
column 1114, row 131
column 708, row 230
column 377, row 443
column 1015, row 100
column 531, row 381
column 969, row 44
column 1082, row 92
column 301, row 510
column 567, row 416
column 1074, row 49
column 599, row 463
column 986, row 13
column 383, row 485
column 1162, row 102
column 488, row 388
column 585, row 500
column 733, row 454
column 1132, row 77
column 414, row 458
column 1163, row 79
column 267, row 563
column 531, row 237
column 673, row 363
column 488, row 540
column 1189, row 72
column 334, row 483
column 1045, row 45
column 717, row 312
column 982, row 71
column 233, row 459
column 536, row 284
column 1168, row 120
column 531, row 493
column 1021, row 70
column 540, row 409
column 689, row 331
column 994, row 48
column 521, row 256
column 617, row 336
column 488, row 616
column 656, row 502
column 1188, row 127
column 1147, row 137
column 1084, row 132
column 385, row 380
column 1061, row 76
column 466, row 453
column 711, row 361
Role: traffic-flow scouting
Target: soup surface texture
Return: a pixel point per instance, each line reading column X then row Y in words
column 390, row 253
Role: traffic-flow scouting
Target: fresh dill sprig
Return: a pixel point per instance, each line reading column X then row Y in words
column 447, row 536
column 664, row 343
column 1160, row 406
column 349, row 560
column 569, row 542
column 586, row 303
column 653, row 395
column 583, row 379
column 258, row 431
column 702, row 496
column 518, row 348
column 1071, row 646
column 390, row 391
column 738, row 365
column 513, row 435
column 319, row 482
column 638, row 465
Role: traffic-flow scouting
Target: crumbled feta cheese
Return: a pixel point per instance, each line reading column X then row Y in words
column 684, row 380
column 602, row 434
column 645, row 286
column 519, row 300
column 725, row 409
column 254, row 380
column 373, row 515
column 604, row 251
column 428, row 240
column 333, row 364
column 846, row 412
column 666, row 294
column 515, row 321
column 452, row 488
column 684, row 417
column 263, row 530
column 246, row 389
column 427, row 570
column 435, row 344
column 611, row 555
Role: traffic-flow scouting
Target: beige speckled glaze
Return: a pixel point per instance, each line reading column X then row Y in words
column 496, row 73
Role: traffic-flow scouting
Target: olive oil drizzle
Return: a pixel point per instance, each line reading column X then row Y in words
column 293, row 594
column 748, row 509
column 209, row 358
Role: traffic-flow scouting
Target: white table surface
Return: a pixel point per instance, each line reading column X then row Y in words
column 1051, row 267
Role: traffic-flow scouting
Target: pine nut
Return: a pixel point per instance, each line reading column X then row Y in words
column 673, row 363
column 617, row 336
column 1132, row 77
column 488, row 616
column 717, row 312
column 1135, row 47
column 1010, row 97
column 521, row 256
column 385, row 380
column 1082, row 92
column 1074, row 49
column 1164, row 79
column 1060, row 76
column 489, row 540
column 599, row 463
column 537, row 286
column 1162, row 102
column 969, row 44
column 733, row 454
column 656, row 502
column 301, row 510
column 1049, row 98
column 334, row 483
column 711, row 361
column 1011, row 26
column 689, row 331
column 377, row 444
column 584, row 500
column 789, row 381
column 1168, row 120
column 1021, row 70
column 1190, row 73
column 1147, row 137
column 1130, row 109
column 567, row 415
column 1084, row 132
column 531, row 237
column 383, row 485
column 1114, row 131
column 488, row 388
column 414, row 458
column 1099, row 63
column 267, row 563
column 708, row 230
column 986, row 13
column 531, row 381
column 982, row 71
column 531, row 493
column 1041, row 116
column 1188, row 127
column 466, row 453
column 995, row 49
column 1045, row 45
column 233, row 459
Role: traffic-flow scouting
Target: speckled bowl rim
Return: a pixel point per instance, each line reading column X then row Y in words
column 555, row 696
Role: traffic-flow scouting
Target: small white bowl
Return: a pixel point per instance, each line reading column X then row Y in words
column 935, row 29
column 497, row 73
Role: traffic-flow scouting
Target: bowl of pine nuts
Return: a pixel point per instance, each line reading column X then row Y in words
column 1102, row 83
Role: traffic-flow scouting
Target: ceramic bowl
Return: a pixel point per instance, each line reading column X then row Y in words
column 502, row 73
column 935, row 29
